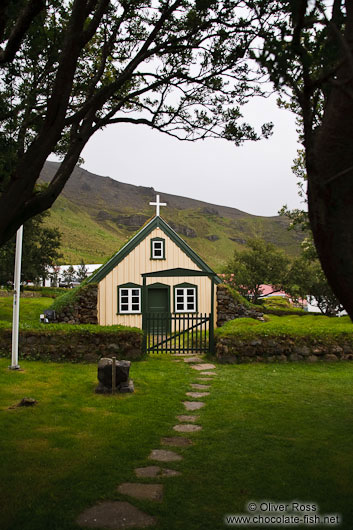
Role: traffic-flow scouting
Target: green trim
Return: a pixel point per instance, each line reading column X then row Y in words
column 129, row 286
column 186, row 285
column 163, row 248
column 156, row 222
column 174, row 273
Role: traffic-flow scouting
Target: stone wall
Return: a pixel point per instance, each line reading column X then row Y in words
column 74, row 346
column 82, row 309
column 229, row 307
column 282, row 349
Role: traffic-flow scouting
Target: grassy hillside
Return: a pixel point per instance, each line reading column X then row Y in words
column 97, row 214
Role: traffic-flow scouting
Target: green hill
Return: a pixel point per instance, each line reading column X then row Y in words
column 96, row 215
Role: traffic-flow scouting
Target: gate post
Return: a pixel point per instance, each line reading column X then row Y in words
column 211, row 324
column 144, row 319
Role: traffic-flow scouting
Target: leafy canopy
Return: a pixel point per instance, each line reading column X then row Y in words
column 68, row 69
column 40, row 250
column 260, row 263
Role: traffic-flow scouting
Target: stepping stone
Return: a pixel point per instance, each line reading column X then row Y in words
column 186, row 418
column 196, row 386
column 149, row 492
column 206, row 378
column 176, row 441
column 197, row 394
column 161, row 455
column 193, row 405
column 155, row 471
column 187, row 427
column 115, row 515
column 193, row 360
column 204, row 366
column 207, row 373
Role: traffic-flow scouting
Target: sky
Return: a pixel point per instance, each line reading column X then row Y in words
column 255, row 178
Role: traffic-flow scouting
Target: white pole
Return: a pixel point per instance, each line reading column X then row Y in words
column 16, row 300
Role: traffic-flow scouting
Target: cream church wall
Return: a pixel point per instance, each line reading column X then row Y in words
column 137, row 262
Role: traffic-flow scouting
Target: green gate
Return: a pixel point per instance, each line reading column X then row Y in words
column 178, row 332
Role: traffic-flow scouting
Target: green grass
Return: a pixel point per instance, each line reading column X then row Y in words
column 293, row 325
column 280, row 305
column 30, row 309
column 85, row 237
column 277, row 432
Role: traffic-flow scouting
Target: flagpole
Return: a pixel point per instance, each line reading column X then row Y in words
column 16, row 300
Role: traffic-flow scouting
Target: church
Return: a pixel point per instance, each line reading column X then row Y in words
column 155, row 272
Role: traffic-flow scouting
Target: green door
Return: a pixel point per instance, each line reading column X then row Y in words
column 158, row 302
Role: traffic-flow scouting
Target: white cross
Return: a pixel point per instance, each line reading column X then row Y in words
column 158, row 204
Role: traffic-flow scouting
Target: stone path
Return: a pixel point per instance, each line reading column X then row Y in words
column 193, row 405
column 150, row 492
column 118, row 515
column 196, row 386
column 186, row 418
column 187, row 427
column 162, row 455
column 203, row 366
column 176, row 441
column 155, row 472
column 197, row 394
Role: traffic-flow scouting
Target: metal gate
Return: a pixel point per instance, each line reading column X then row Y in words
column 178, row 333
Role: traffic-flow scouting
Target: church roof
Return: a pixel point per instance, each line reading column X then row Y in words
column 157, row 221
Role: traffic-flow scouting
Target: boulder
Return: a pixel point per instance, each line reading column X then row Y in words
column 105, row 372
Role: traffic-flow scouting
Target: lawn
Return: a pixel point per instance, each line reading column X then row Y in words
column 30, row 309
column 277, row 432
column 295, row 325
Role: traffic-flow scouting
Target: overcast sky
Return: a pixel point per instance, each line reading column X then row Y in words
column 255, row 178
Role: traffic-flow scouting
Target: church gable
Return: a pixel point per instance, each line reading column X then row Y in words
column 156, row 246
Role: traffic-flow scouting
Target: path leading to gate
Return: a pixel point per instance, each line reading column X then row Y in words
column 117, row 515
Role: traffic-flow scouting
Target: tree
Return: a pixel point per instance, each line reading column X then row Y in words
column 306, row 280
column 307, row 51
column 69, row 69
column 260, row 263
column 82, row 272
column 69, row 276
column 40, row 251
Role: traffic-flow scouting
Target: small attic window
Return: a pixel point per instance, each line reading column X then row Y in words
column 157, row 248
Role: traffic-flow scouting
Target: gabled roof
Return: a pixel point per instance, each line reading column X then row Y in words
column 140, row 236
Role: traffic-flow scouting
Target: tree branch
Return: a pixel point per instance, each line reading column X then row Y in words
column 25, row 17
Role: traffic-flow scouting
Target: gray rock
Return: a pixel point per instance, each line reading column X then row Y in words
column 105, row 372
column 330, row 357
column 312, row 359
column 295, row 357
column 151, row 492
column 302, row 350
column 162, row 455
column 126, row 387
column 115, row 515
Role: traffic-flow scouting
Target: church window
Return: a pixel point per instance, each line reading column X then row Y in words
column 129, row 299
column 185, row 299
column 157, row 248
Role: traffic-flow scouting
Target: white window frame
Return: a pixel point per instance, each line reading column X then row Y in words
column 161, row 242
column 185, row 299
column 129, row 302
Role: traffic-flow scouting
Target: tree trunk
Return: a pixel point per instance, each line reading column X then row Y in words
column 330, row 182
